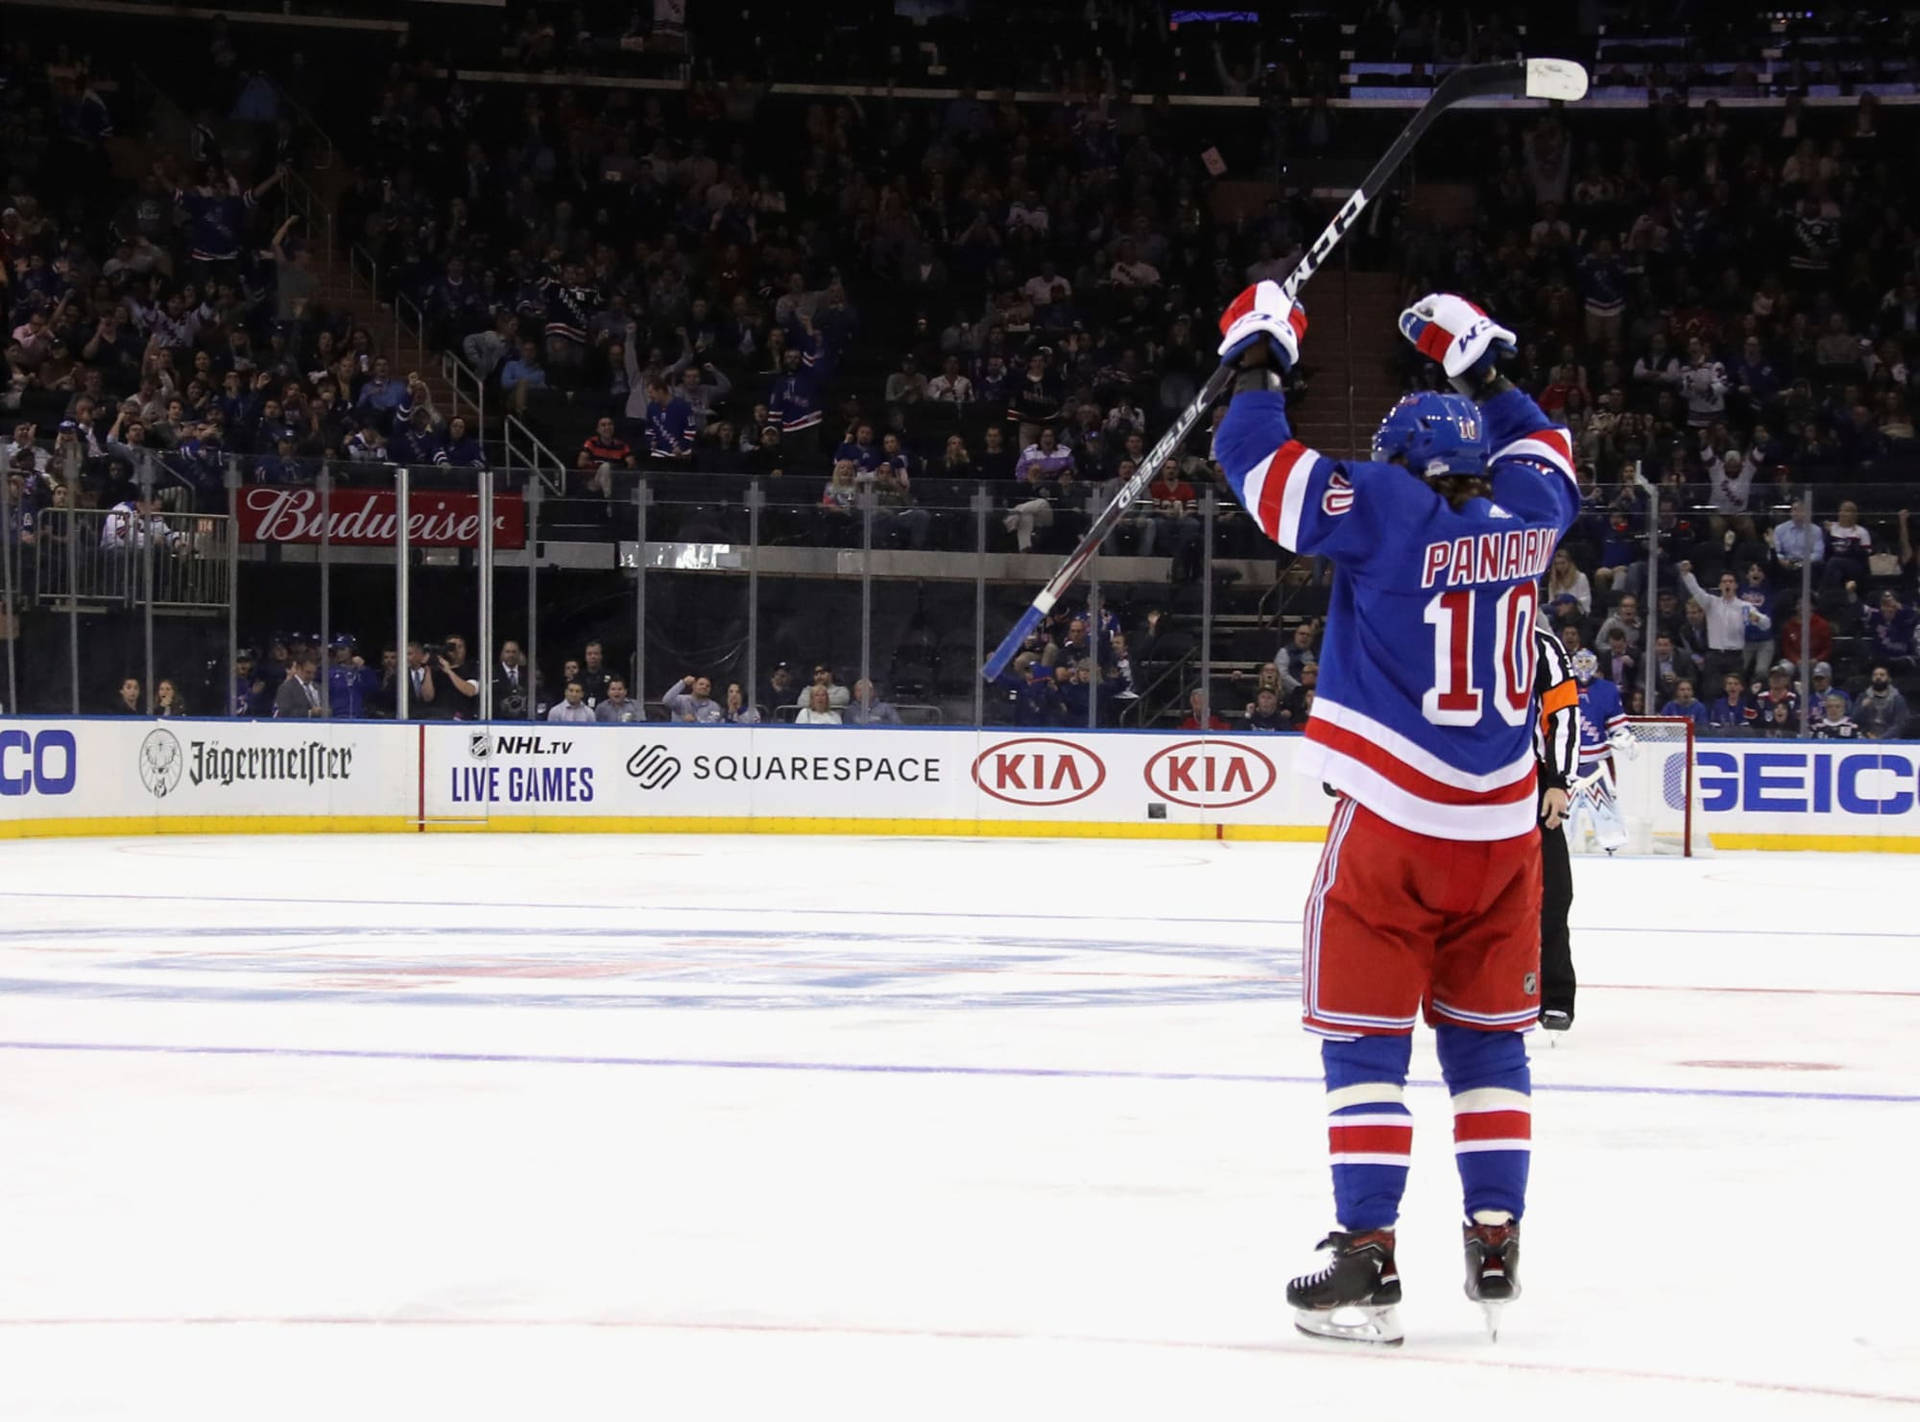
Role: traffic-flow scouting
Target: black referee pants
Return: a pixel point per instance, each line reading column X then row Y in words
column 1556, row 897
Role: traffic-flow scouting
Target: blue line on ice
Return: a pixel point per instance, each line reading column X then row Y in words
column 896, row 1069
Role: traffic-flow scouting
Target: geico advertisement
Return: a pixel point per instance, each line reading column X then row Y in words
column 136, row 767
column 1875, row 782
column 827, row 772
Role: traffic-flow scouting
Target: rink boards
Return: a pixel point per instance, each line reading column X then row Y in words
column 111, row 776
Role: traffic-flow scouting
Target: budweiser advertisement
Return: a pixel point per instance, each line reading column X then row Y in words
column 270, row 513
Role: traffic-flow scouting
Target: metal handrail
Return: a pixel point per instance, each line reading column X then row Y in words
column 307, row 120
column 541, row 461
column 457, row 373
column 1176, row 672
column 404, row 305
column 358, row 256
column 95, row 556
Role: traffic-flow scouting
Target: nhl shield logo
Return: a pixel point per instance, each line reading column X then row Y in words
column 161, row 763
column 1530, row 984
column 479, row 744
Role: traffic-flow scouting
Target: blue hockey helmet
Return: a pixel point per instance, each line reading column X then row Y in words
column 1585, row 666
column 1433, row 434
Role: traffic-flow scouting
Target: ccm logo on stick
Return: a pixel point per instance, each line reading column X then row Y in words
column 42, row 763
column 1210, row 775
column 1038, row 770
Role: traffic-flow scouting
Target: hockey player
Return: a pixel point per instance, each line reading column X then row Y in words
column 1603, row 720
column 1557, row 742
column 1594, row 809
column 1428, row 891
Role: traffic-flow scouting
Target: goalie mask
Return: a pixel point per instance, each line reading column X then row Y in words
column 1585, row 666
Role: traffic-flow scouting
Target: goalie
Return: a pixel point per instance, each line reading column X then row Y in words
column 1592, row 809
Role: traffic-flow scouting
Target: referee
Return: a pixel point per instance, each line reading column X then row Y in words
column 1556, row 745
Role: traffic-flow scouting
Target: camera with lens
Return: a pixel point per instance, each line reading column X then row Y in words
column 432, row 650
column 513, row 706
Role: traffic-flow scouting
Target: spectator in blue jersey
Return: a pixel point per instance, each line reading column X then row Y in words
column 1757, row 593
column 1088, row 684
column 460, row 450
column 1034, row 402
column 414, row 441
column 282, row 465
column 861, row 448
column 1735, row 710
column 1685, row 703
column 795, row 401
column 1035, row 694
column 367, row 445
column 350, row 682
column 670, row 431
column 1265, row 713
column 1890, row 627
column 216, row 211
column 250, row 696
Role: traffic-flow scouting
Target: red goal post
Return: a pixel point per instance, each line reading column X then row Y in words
column 1657, row 784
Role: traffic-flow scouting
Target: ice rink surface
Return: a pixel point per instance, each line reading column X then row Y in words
column 461, row 1127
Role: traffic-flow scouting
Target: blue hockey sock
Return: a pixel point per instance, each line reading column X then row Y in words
column 1369, row 1130
column 1491, row 1085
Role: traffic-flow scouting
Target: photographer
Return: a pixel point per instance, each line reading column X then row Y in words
column 462, row 687
column 516, row 694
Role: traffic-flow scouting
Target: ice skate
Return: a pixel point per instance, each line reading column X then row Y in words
column 1493, row 1268
column 1352, row 1299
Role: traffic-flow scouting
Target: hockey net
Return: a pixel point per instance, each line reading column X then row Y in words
column 1657, row 789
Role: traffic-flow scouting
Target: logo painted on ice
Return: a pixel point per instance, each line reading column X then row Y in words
column 161, row 764
column 1038, row 770
column 1210, row 775
column 653, row 767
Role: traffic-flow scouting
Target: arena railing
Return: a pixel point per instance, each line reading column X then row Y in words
column 735, row 578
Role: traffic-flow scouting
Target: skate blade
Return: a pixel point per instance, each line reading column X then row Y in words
column 1492, row 1312
column 1379, row 1326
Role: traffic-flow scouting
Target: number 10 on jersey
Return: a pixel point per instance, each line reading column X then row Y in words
column 1457, row 697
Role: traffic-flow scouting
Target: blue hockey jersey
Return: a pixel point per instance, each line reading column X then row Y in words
column 1600, row 714
column 1424, row 708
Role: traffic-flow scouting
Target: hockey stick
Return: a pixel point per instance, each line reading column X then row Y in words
column 1520, row 78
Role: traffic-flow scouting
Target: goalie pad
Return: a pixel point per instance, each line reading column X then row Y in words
column 1593, row 810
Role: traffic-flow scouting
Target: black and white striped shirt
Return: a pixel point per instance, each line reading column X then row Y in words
column 1556, row 734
